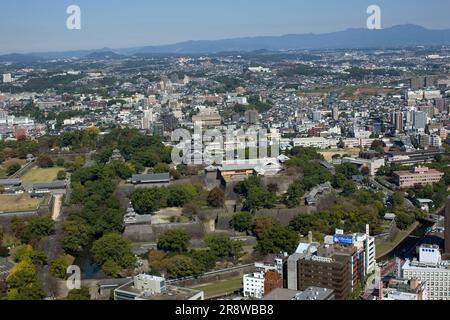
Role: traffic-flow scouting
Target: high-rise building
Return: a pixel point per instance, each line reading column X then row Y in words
column 329, row 272
column 316, row 116
column 447, row 230
column 148, row 119
column 251, row 117
column 419, row 120
column 7, row 78
column 335, row 113
column 430, row 269
column 417, row 83
column 397, row 121
column 424, row 140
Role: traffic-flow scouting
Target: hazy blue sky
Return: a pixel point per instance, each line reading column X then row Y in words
column 40, row 25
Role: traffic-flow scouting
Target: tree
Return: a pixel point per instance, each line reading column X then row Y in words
column 161, row 168
column 339, row 180
column 242, row 221
column 222, row 246
column 404, row 220
column 76, row 236
column 61, row 175
column 398, row 199
column 115, row 248
column 263, row 225
column 38, row 228
column 146, row 201
column 173, row 241
column 294, row 194
column 44, row 161
column 111, row 268
column 23, row 282
column 181, row 266
column 157, row 261
column 348, row 170
column 206, row 259
column 60, row 162
column 216, row 198
column 349, row 188
column 304, row 223
column 278, row 239
column 79, row 294
column 58, row 267
column 13, row 168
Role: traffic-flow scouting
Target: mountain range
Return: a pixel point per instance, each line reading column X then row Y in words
column 393, row 37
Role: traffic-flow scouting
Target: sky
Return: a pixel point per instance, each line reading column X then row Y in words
column 40, row 25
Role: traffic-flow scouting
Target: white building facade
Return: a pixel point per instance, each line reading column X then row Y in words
column 254, row 285
column 432, row 270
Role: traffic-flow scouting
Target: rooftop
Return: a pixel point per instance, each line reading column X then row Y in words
column 315, row 293
column 281, row 295
column 171, row 293
column 156, row 177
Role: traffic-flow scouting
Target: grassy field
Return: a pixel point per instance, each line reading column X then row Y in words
column 352, row 93
column 41, row 175
column 385, row 247
column 219, row 288
column 21, row 202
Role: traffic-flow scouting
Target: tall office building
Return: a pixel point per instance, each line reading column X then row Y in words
column 251, row 117
column 328, row 272
column 316, row 116
column 335, row 113
column 447, row 230
column 419, row 120
column 397, row 121
column 148, row 119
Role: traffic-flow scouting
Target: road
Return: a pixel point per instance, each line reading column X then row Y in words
column 57, row 205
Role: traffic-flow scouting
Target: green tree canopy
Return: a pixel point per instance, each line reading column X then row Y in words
column 174, row 241
column 115, row 248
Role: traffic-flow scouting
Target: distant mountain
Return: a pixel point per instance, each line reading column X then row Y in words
column 103, row 55
column 398, row 36
column 19, row 58
column 394, row 37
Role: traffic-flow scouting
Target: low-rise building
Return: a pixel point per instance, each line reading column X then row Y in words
column 148, row 287
column 319, row 143
column 158, row 178
column 41, row 189
column 401, row 289
column 418, row 176
column 254, row 285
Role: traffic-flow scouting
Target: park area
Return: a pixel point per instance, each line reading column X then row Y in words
column 220, row 288
column 18, row 202
column 41, row 175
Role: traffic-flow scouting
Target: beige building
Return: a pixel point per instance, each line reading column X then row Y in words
column 209, row 117
column 417, row 176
